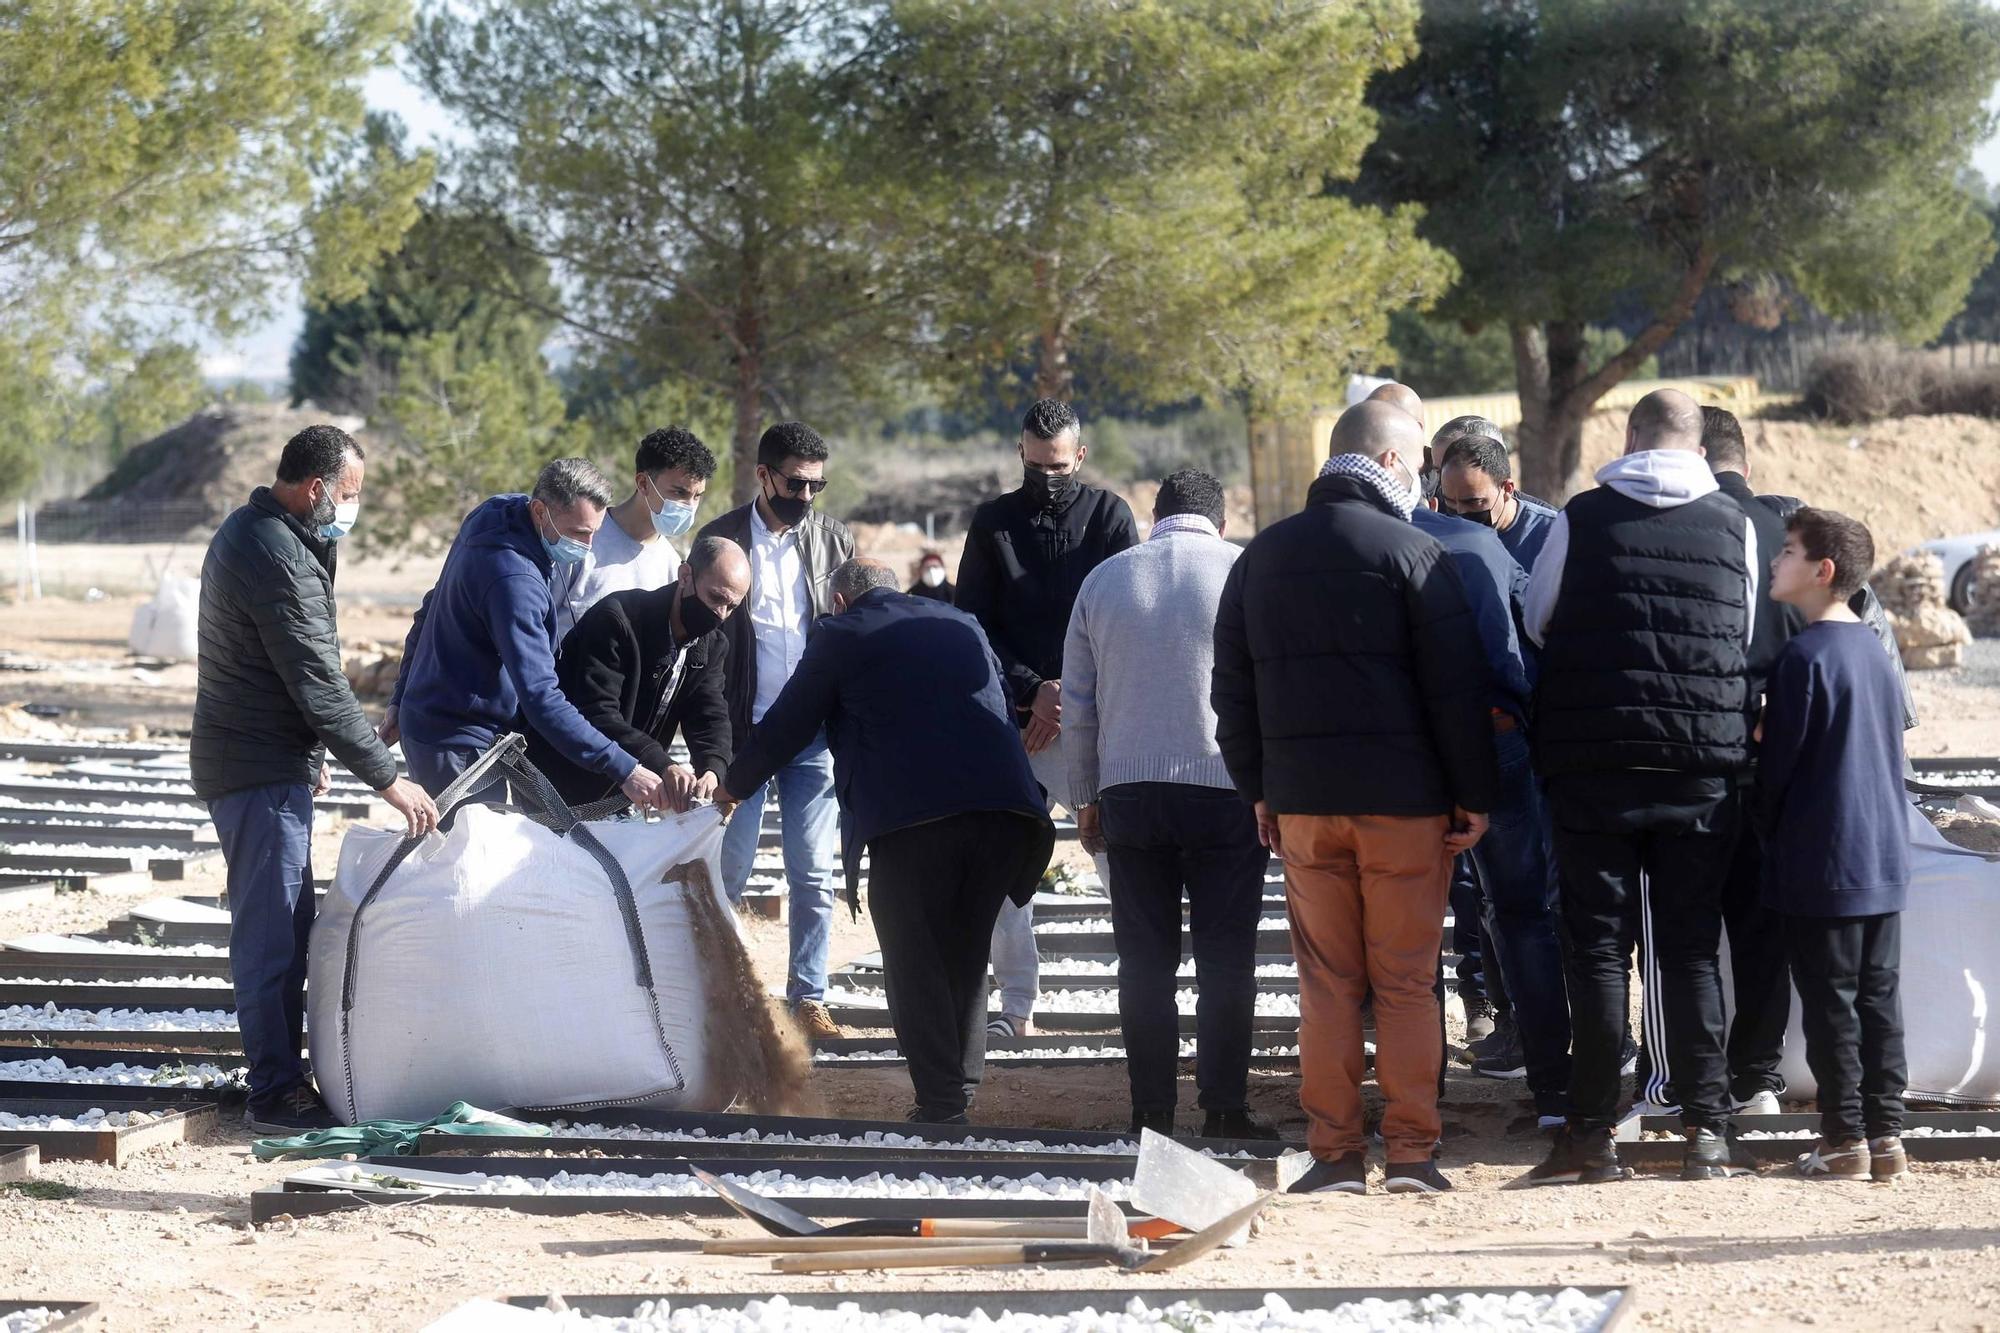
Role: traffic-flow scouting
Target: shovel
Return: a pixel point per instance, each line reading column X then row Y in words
column 1114, row 1252
column 780, row 1220
column 1176, row 1182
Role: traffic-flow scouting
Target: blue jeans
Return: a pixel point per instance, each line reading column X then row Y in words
column 266, row 835
column 435, row 767
column 1516, row 868
column 810, row 818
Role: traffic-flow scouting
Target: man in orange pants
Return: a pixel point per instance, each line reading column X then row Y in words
column 1351, row 702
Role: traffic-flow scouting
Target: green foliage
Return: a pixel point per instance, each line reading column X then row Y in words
column 1577, row 156
column 70, row 415
column 1150, row 176
column 1978, row 320
column 183, row 155
column 349, row 353
column 1438, row 357
column 684, row 162
column 466, row 422
column 48, row 1191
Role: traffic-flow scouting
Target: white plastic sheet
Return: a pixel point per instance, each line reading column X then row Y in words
column 1949, row 976
column 494, row 967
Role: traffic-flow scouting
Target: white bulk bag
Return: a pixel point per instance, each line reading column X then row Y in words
column 169, row 625
column 1948, row 978
column 494, row 966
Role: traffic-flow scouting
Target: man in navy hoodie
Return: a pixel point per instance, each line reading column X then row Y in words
column 482, row 650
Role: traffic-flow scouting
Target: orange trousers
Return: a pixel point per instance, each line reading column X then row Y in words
column 1366, row 895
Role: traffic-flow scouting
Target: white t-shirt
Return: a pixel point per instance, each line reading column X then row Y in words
column 616, row 563
column 779, row 608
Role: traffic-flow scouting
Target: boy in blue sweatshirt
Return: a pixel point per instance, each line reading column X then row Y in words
column 1838, row 860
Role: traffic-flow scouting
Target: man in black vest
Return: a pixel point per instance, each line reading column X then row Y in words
column 1760, row 983
column 1643, row 602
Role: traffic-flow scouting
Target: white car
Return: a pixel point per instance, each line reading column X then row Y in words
column 1956, row 554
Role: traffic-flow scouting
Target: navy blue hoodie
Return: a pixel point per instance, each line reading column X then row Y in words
column 482, row 649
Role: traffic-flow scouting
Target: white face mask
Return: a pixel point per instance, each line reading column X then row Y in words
column 344, row 516
column 932, row 576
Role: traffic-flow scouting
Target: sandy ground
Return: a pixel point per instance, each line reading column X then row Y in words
column 165, row 1243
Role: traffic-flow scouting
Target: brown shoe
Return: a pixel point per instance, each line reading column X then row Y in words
column 815, row 1021
column 1886, row 1158
column 1836, row 1161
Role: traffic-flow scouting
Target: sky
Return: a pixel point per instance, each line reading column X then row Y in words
column 262, row 353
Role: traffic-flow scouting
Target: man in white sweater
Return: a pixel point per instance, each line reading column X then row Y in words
column 1149, row 785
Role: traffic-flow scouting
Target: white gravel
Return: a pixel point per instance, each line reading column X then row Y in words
column 16, row 1017
column 1568, row 1311
column 172, row 1074
column 28, row 1321
column 95, row 1118
column 178, row 810
column 1924, row 1132
column 873, row 1138
column 777, row 1184
column 1081, row 1052
column 121, row 946
column 1054, row 1003
column 1091, row 967
column 87, row 849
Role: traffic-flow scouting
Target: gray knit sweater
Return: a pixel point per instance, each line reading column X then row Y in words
column 1136, row 667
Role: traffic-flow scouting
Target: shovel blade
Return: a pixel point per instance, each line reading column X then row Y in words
column 769, row 1214
column 1183, row 1186
column 1208, row 1238
column 1104, row 1224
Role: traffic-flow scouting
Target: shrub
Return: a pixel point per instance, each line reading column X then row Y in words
column 1865, row 382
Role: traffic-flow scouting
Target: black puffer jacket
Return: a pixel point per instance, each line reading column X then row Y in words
column 1349, row 675
column 269, row 691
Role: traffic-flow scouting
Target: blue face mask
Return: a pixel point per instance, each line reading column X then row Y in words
column 342, row 522
column 564, row 550
column 673, row 517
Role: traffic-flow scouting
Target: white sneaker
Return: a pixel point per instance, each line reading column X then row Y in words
column 1764, row 1103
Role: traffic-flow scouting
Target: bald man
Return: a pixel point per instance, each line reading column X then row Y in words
column 644, row 664
column 1351, row 708
column 935, row 785
column 1643, row 601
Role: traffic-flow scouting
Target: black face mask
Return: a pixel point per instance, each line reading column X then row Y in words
column 1047, row 489
column 1483, row 517
column 790, row 509
column 697, row 616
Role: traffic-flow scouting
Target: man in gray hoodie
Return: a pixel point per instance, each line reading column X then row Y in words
column 1643, row 601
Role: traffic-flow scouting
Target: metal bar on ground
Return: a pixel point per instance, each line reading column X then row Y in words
column 164, row 1041
column 115, row 994
column 112, row 1145
column 177, row 793
column 1039, row 1051
column 19, row 966
column 1065, row 1020
column 71, row 832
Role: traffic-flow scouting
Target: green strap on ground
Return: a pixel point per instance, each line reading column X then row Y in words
column 394, row 1138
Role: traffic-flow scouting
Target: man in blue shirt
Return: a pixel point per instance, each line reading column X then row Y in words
column 1478, row 485
column 482, row 648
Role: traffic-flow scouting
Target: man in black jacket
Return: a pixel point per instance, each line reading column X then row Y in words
column 793, row 550
column 645, row 662
column 934, row 783
column 1351, row 700
column 1026, row 555
column 1760, row 982
column 271, row 701
column 1643, row 601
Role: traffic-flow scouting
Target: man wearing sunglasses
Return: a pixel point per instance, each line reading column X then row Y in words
column 793, row 552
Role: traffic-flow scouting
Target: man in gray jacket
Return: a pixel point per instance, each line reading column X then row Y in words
column 271, row 702
column 1150, row 788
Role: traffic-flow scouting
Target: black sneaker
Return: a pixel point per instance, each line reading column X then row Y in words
column 1343, row 1175
column 1709, row 1156
column 296, row 1110
column 924, row 1115
column 1502, row 1058
column 1236, row 1125
column 1579, row 1157
column 1415, row 1178
column 1160, row 1122
column 1479, row 1018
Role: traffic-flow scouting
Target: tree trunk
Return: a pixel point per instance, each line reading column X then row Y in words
column 1548, row 365
column 1054, row 378
column 749, row 425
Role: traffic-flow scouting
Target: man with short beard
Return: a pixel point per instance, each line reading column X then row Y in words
column 1027, row 554
column 271, row 702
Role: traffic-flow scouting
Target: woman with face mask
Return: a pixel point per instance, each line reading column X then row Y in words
column 931, row 580
column 636, row 547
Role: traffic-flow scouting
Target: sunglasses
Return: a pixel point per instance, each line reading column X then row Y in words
column 799, row 485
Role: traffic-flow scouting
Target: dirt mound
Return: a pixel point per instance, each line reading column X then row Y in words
column 187, row 479
column 1909, row 478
